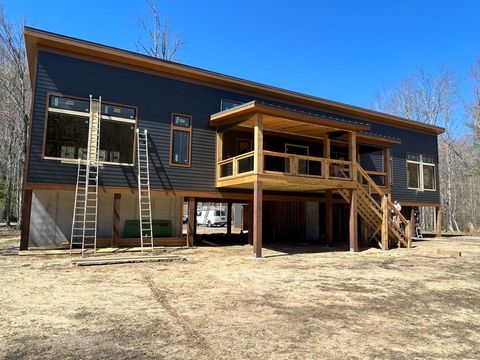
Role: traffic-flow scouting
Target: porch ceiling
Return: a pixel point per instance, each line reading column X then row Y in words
column 283, row 120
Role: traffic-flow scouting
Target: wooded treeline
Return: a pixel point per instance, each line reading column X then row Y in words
column 15, row 100
column 433, row 98
column 437, row 99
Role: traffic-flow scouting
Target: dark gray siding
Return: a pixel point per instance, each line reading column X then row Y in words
column 157, row 98
column 371, row 158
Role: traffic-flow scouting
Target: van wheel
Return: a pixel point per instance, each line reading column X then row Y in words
column 209, row 224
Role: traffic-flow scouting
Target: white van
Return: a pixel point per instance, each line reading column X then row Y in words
column 211, row 218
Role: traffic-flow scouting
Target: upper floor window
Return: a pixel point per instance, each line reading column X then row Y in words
column 181, row 140
column 228, row 104
column 66, row 135
column 421, row 172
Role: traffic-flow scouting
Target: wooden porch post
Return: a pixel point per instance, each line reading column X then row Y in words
column 117, row 198
column 258, row 144
column 250, row 222
column 229, row 218
column 257, row 218
column 191, row 221
column 438, row 216
column 412, row 221
column 26, row 213
column 326, row 155
column 219, row 152
column 257, row 187
column 329, row 216
column 386, row 165
column 353, row 228
column 384, row 228
column 352, row 142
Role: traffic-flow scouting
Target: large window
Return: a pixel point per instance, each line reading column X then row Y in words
column 181, row 140
column 67, row 131
column 421, row 172
column 228, row 104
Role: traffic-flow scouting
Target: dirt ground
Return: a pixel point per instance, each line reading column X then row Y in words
column 296, row 303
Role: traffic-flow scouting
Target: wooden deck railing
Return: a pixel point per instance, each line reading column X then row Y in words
column 236, row 166
column 277, row 163
column 400, row 224
column 379, row 177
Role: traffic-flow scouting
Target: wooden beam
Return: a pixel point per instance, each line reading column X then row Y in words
column 353, row 226
column 219, row 152
column 412, row 221
column 329, row 217
column 191, row 221
column 352, row 153
column 116, row 219
column 257, row 219
column 26, row 213
column 229, row 218
column 384, row 228
column 326, row 155
column 387, row 154
column 258, row 144
column 438, row 223
column 249, row 216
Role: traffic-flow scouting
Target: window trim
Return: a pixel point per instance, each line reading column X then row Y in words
column 87, row 115
column 434, row 177
column 420, row 174
column 184, row 129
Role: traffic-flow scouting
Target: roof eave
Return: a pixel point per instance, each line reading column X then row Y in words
column 35, row 38
column 243, row 111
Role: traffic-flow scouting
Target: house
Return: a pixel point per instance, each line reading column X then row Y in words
column 314, row 169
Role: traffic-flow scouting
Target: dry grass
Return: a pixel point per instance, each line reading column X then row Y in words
column 222, row 304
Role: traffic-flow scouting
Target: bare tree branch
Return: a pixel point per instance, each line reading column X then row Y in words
column 15, row 98
column 160, row 42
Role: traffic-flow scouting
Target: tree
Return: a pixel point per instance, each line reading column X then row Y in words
column 421, row 96
column 15, row 99
column 161, row 43
column 474, row 113
column 433, row 99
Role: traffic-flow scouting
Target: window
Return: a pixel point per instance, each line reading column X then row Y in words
column 181, row 140
column 413, row 171
column 67, row 135
column 421, row 172
column 228, row 104
column 428, row 173
column 116, row 140
column 67, row 131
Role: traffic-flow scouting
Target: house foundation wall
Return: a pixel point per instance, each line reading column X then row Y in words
column 52, row 213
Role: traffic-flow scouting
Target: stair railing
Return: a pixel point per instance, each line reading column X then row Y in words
column 387, row 206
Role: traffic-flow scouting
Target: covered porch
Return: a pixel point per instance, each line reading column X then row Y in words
column 266, row 148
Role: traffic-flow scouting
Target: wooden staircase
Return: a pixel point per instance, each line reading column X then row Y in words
column 377, row 213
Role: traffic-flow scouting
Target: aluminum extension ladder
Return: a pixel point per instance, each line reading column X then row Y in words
column 84, row 224
column 144, row 199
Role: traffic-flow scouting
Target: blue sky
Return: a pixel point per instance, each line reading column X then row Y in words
column 340, row 50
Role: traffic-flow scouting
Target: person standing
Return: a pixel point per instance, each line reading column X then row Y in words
column 398, row 207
